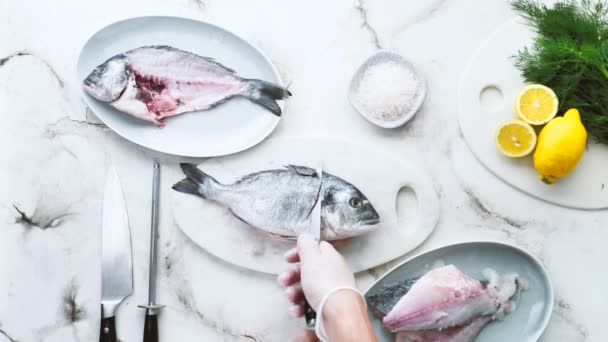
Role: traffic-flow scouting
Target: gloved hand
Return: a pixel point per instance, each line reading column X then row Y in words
column 315, row 271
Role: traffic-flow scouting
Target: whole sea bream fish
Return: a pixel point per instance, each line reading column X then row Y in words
column 281, row 201
column 156, row 82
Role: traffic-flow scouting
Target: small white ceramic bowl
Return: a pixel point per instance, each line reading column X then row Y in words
column 377, row 58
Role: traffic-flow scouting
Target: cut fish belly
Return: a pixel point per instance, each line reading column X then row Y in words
column 446, row 297
column 464, row 333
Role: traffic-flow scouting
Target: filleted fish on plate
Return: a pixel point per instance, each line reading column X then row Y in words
column 156, row 82
column 444, row 305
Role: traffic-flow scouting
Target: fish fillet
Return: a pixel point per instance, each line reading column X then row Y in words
column 464, row 333
column 446, row 297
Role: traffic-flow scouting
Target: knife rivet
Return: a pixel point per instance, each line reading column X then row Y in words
column 106, row 330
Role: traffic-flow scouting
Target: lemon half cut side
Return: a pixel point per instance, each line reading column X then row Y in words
column 515, row 138
column 536, row 104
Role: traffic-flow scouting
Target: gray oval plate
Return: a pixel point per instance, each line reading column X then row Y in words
column 534, row 305
column 228, row 128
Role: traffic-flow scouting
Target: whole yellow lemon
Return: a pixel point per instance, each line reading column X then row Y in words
column 561, row 144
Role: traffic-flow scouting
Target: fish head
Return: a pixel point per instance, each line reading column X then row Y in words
column 346, row 211
column 109, row 80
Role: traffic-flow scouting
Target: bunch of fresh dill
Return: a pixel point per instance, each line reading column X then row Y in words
column 570, row 55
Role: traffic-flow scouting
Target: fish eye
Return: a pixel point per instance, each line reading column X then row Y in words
column 355, row 203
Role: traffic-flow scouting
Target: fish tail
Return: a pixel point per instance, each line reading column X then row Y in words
column 266, row 94
column 187, row 186
column 196, row 183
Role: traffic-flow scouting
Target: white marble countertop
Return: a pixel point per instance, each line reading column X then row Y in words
column 55, row 154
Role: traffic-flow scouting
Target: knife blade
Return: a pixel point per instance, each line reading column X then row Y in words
column 116, row 257
column 152, row 309
column 315, row 229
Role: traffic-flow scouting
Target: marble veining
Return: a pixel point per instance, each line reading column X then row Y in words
column 6, row 335
column 485, row 212
column 24, row 53
column 360, row 7
column 55, row 154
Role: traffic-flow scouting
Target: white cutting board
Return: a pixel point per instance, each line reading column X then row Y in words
column 378, row 175
column 479, row 114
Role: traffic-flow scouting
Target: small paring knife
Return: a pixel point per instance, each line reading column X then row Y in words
column 153, row 309
column 116, row 257
column 315, row 229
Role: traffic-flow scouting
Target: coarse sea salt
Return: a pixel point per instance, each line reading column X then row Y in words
column 388, row 90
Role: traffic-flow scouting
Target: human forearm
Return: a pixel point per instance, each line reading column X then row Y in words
column 321, row 275
column 345, row 318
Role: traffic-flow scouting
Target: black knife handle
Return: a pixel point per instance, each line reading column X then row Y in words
column 309, row 315
column 107, row 331
column 151, row 327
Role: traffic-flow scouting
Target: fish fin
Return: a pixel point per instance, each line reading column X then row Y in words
column 216, row 63
column 272, row 235
column 239, row 218
column 203, row 181
column 282, row 237
column 210, row 60
column 307, row 172
column 249, row 176
column 266, row 94
column 186, row 186
column 302, row 170
column 163, row 47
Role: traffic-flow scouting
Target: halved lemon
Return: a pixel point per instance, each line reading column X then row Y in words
column 515, row 138
column 536, row 104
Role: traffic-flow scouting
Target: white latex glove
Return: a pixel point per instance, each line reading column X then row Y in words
column 316, row 270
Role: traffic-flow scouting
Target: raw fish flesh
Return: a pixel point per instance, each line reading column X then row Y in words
column 155, row 82
column 463, row 333
column 281, row 201
column 382, row 301
column 446, row 297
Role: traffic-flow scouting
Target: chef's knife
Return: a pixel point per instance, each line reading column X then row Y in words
column 152, row 309
column 116, row 263
column 315, row 229
column 316, row 212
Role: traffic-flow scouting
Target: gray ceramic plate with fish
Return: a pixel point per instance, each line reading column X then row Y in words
column 228, row 128
column 533, row 305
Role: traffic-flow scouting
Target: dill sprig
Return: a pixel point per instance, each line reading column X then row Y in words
column 570, row 55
